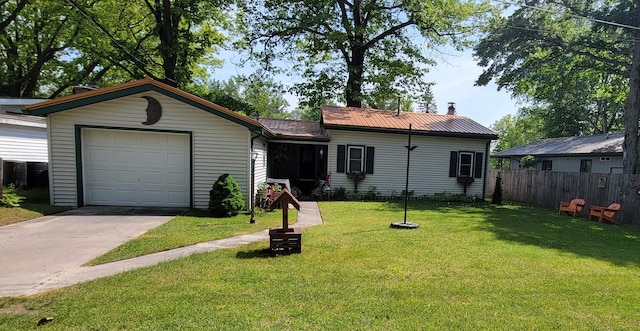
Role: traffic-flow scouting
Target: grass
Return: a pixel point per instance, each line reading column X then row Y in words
column 195, row 227
column 35, row 205
column 467, row 267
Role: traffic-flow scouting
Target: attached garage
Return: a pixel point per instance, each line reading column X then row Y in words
column 136, row 168
column 144, row 143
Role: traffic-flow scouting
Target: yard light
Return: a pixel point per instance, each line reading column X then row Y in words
column 254, row 156
column 404, row 224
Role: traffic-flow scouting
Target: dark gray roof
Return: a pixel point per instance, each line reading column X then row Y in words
column 294, row 129
column 602, row 144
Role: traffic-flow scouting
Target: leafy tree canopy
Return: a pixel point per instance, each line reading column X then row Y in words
column 576, row 60
column 356, row 49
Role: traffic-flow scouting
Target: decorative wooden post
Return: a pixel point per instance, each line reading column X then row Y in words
column 285, row 240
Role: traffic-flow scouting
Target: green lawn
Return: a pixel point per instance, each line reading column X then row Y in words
column 195, row 227
column 467, row 267
column 35, row 205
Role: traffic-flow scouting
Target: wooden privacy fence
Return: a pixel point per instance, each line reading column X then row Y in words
column 548, row 188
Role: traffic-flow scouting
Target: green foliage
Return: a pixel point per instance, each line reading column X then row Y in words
column 371, row 194
column 361, row 53
column 251, row 95
column 496, row 199
column 11, row 200
column 339, row 194
column 528, row 161
column 225, row 198
column 575, row 72
column 296, row 192
column 318, row 192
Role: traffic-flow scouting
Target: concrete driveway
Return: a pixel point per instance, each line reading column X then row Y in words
column 35, row 252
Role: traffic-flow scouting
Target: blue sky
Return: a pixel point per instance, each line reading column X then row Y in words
column 454, row 78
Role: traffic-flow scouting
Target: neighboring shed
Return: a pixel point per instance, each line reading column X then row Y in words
column 596, row 154
column 371, row 143
column 145, row 143
column 23, row 144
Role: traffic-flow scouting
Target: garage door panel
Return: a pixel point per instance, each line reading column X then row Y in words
column 153, row 177
column 126, row 176
column 99, row 155
column 126, row 138
column 177, row 198
column 100, row 176
column 154, row 159
column 136, row 168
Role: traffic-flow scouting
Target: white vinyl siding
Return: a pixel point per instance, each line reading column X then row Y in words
column 260, row 146
column 219, row 145
column 572, row 164
column 23, row 143
column 429, row 168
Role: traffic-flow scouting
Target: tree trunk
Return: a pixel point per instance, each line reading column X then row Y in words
column 355, row 67
column 631, row 148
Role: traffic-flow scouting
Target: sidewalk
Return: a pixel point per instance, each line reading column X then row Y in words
column 308, row 216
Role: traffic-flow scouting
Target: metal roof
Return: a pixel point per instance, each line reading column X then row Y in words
column 602, row 144
column 294, row 129
column 364, row 119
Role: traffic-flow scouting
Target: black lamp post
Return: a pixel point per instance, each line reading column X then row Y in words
column 254, row 156
column 404, row 224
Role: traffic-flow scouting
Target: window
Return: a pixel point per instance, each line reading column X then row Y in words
column 585, row 165
column 605, row 158
column 547, row 165
column 355, row 157
column 465, row 165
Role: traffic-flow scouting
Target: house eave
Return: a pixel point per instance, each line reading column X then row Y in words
column 413, row 132
column 144, row 85
column 557, row 155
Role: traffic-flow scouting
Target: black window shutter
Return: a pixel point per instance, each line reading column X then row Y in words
column 478, row 167
column 368, row 167
column 341, row 158
column 453, row 164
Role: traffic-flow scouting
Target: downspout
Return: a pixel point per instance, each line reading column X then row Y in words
column 486, row 171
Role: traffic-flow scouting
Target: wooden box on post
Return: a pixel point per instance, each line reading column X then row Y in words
column 285, row 240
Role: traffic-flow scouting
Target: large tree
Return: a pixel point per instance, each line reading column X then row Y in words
column 357, row 48
column 163, row 39
column 34, row 37
column 578, row 59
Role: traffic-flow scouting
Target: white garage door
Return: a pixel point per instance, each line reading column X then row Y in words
column 133, row 168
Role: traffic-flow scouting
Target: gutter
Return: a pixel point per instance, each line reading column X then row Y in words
column 486, row 171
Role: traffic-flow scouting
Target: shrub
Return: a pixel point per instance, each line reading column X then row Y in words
column 496, row 199
column 339, row 194
column 296, row 192
column 225, row 198
column 10, row 198
column 371, row 194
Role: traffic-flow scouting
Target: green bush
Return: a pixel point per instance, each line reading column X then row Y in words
column 225, row 198
column 10, row 198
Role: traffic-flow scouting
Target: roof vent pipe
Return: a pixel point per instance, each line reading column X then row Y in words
column 398, row 114
column 451, row 110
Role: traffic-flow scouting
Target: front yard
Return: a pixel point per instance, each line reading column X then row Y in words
column 36, row 204
column 466, row 267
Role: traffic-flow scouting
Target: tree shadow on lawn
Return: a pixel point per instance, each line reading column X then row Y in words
column 532, row 225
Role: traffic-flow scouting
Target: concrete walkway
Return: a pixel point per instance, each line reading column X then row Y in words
column 309, row 215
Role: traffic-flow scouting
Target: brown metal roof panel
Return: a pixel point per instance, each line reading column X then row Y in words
column 385, row 120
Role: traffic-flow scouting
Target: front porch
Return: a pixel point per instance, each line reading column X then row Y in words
column 304, row 164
